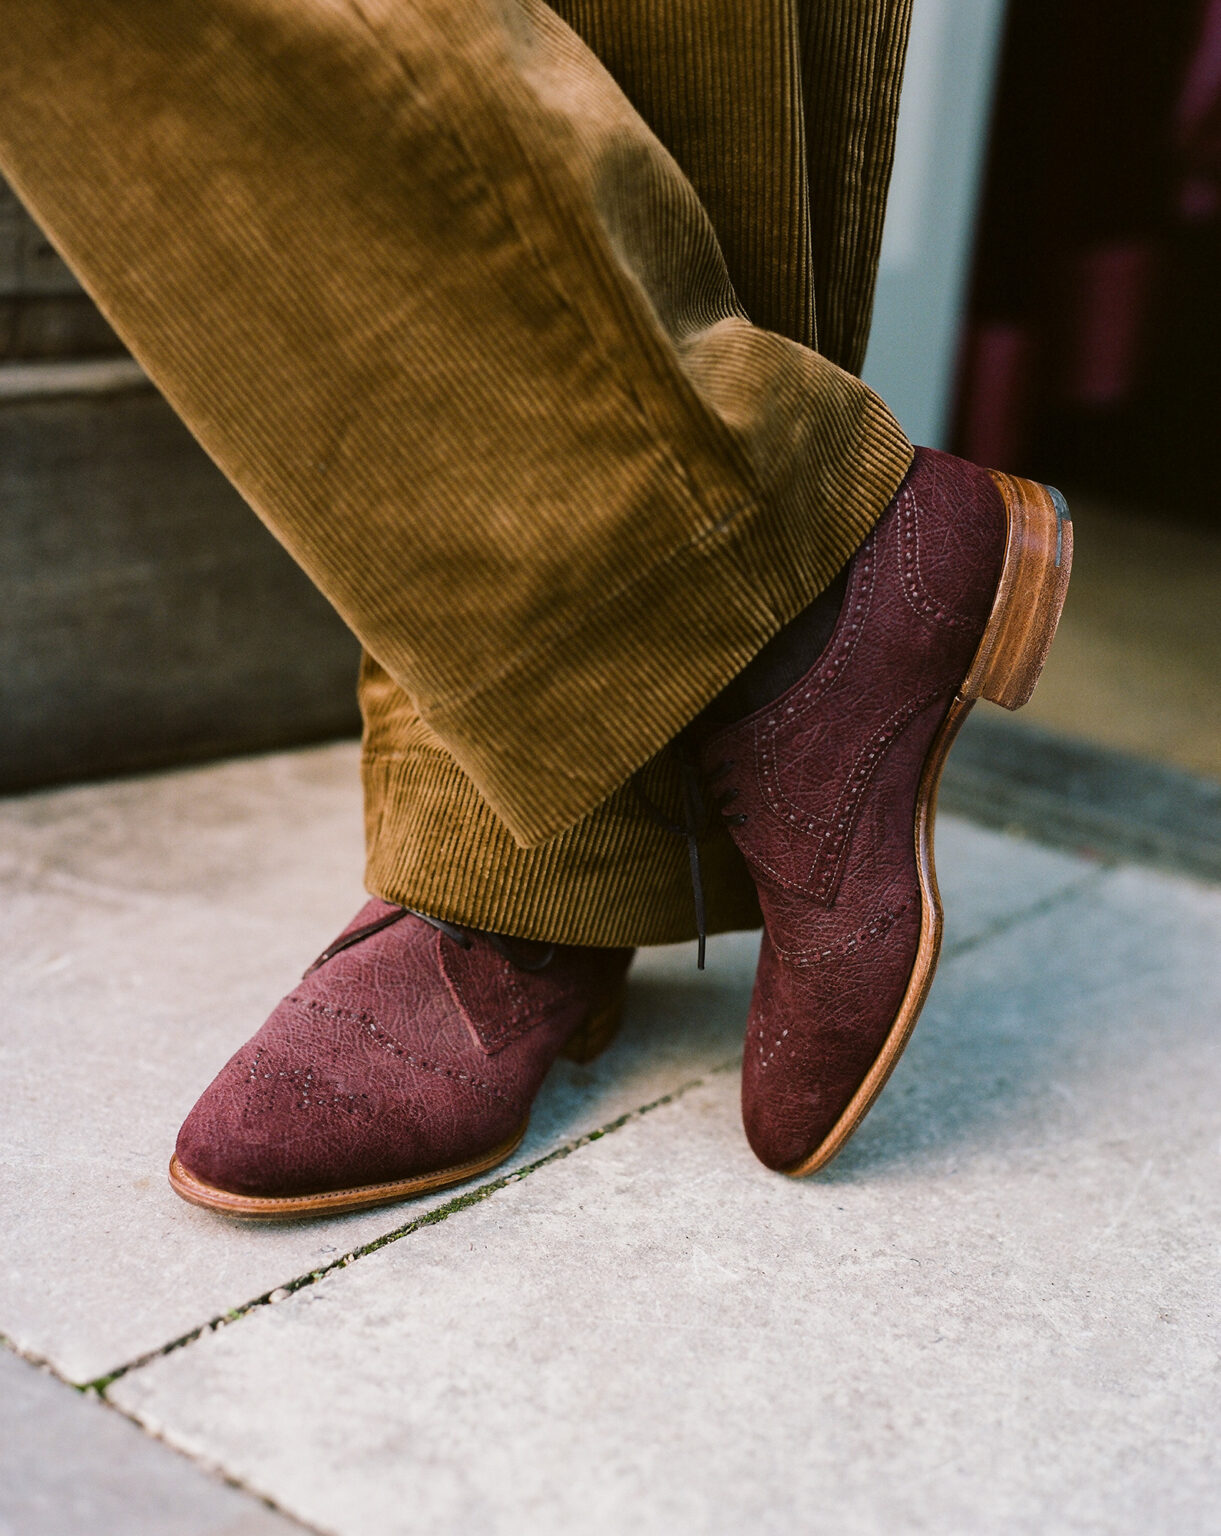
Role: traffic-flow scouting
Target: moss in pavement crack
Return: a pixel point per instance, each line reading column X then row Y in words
column 440, row 1213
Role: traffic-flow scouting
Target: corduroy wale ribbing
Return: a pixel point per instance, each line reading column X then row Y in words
column 491, row 361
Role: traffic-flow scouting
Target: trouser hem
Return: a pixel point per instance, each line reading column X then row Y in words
column 557, row 731
column 615, row 879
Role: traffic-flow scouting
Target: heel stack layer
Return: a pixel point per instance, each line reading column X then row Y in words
column 1029, row 597
column 597, row 1032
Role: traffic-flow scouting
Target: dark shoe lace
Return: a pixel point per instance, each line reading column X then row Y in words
column 463, row 937
column 697, row 816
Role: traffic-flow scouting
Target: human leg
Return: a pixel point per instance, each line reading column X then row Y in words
column 771, row 446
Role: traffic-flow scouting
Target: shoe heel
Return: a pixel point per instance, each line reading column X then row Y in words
column 1029, row 597
column 597, row 1032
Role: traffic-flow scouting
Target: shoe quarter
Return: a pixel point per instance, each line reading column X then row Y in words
column 817, row 752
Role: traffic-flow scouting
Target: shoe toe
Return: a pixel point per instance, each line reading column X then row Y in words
column 286, row 1131
column 393, row 1061
column 815, row 1033
column 790, row 1104
column 291, row 1114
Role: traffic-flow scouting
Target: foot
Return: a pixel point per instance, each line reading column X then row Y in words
column 406, row 1060
column 831, row 788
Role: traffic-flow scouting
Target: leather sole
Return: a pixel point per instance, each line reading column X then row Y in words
column 597, row 1032
column 587, row 1042
column 330, row 1202
column 1008, row 660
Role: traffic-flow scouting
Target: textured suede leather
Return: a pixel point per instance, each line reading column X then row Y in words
column 401, row 1055
column 826, row 778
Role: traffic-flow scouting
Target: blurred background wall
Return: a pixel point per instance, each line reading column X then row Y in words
column 944, row 114
column 1089, row 350
column 146, row 618
column 1093, row 337
column 1049, row 301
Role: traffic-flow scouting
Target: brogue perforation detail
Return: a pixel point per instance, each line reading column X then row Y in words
column 876, row 928
column 918, row 599
column 517, row 1021
column 309, row 1095
column 830, row 857
column 522, row 1013
column 834, row 832
column 374, row 1029
column 858, row 601
column 766, row 1059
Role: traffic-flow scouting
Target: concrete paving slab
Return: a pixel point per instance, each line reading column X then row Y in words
column 150, row 925
column 70, row 1466
column 995, row 1312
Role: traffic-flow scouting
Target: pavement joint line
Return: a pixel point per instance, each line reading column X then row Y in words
column 39, row 1362
column 99, row 1385
column 208, row 1468
column 1040, row 908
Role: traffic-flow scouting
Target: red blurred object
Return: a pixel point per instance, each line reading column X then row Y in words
column 1198, row 123
column 1092, row 351
column 1109, row 306
column 995, row 393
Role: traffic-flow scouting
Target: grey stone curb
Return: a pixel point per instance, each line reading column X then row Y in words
column 1088, row 799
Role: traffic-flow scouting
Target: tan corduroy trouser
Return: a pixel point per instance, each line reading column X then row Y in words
column 531, row 332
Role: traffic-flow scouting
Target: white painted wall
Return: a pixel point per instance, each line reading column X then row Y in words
column 926, row 250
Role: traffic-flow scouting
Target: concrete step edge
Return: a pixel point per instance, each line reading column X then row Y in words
column 22, row 382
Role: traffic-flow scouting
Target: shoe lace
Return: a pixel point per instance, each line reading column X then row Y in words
column 696, row 818
column 464, row 938
column 697, row 814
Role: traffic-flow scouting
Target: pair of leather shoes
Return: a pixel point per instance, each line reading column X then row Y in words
column 409, row 1056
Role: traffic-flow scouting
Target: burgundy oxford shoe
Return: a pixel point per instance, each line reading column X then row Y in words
column 407, row 1059
column 831, row 788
